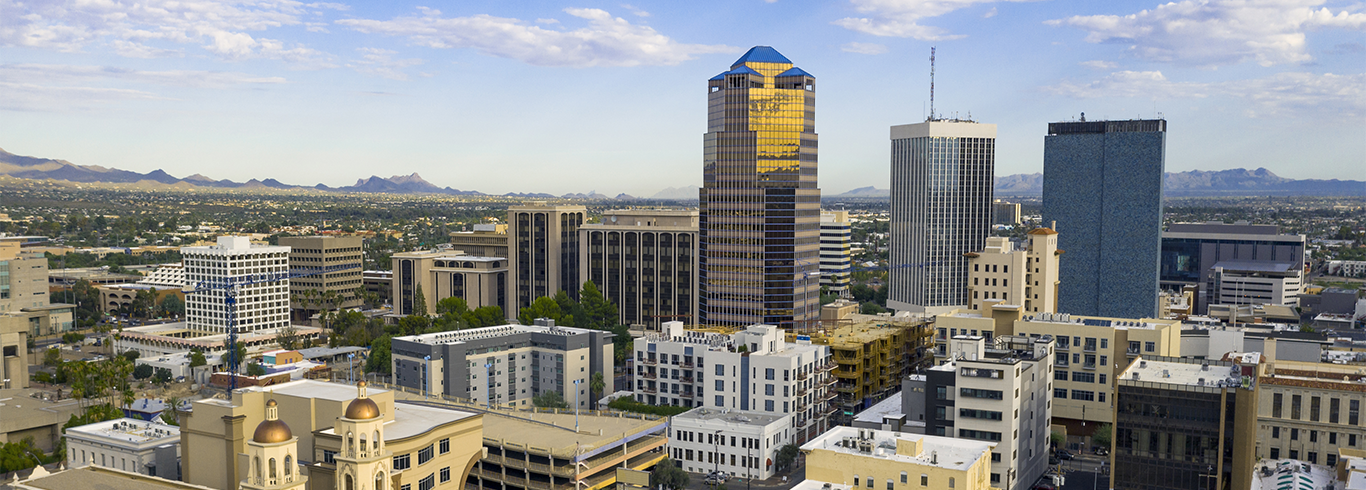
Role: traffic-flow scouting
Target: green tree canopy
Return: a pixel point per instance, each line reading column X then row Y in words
column 786, row 456
column 542, row 307
column 549, row 399
column 669, row 475
column 379, row 361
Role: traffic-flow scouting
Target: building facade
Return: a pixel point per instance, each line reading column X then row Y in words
column 506, row 365
column 740, row 443
column 333, row 290
column 645, row 262
column 441, row 274
column 126, row 444
column 942, row 181
column 753, row 369
column 543, row 252
column 759, row 204
column 1033, row 285
column 836, row 262
column 848, row 458
column 1102, row 187
column 261, row 306
column 1256, row 264
column 486, row 240
column 999, row 392
column 25, row 310
column 1307, row 410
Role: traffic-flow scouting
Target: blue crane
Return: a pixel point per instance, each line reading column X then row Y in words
column 229, row 287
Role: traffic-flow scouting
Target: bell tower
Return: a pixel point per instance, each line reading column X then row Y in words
column 273, row 454
column 363, row 462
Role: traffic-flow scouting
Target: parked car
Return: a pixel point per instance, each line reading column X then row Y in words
column 1100, row 450
column 1053, row 460
column 1064, row 455
column 716, row 478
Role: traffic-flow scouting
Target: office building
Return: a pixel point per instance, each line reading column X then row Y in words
column 1238, row 263
column 645, row 262
column 1185, row 423
column 1005, row 213
column 848, row 458
column 379, row 283
column 942, row 178
column 1034, row 282
column 330, row 291
column 836, row 262
column 441, row 274
column 1102, row 186
column 25, row 310
column 998, row 392
column 260, row 306
column 759, row 204
column 543, row 252
column 753, row 369
column 485, row 240
column 505, row 365
column 416, row 446
column 132, row 445
column 740, row 443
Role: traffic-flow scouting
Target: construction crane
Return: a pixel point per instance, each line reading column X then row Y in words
column 229, row 287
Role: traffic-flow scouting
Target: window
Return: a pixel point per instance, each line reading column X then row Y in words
column 979, row 414
column 1082, row 377
column 1102, row 379
column 768, row 374
column 1295, row 406
column 427, row 483
column 401, row 462
column 904, row 477
column 1059, row 393
column 1313, row 457
column 1275, row 432
column 720, row 385
column 1060, row 374
column 768, row 390
column 1353, row 411
column 950, row 482
column 856, row 480
column 768, row 405
column 1275, row 453
column 720, row 401
column 445, row 446
column 1333, row 438
column 1313, row 436
column 1105, row 343
column 1150, row 346
column 1083, row 395
column 941, row 392
column 924, row 480
column 424, row 455
column 445, row 474
column 980, row 435
column 720, row 370
column 976, row 393
column 1333, row 408
column 329, row 457
column 1314, row 408
column 1276, row 400
column 1294, row 434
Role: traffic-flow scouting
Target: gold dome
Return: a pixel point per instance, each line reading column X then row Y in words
column 271, row 432
column 362, row 409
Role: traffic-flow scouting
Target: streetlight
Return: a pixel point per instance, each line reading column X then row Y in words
column 716, row 450
column 351, row 360
column 577, row 382
column 426, row 375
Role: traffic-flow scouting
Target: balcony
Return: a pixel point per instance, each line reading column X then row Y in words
column 801, row 376
column 1064, row 346
column 649, row 376
column 1088, row 365
column 1090, row 348
column 686, row 379
column 686, row 365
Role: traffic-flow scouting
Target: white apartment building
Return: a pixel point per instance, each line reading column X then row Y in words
column 754, row 369
column 999, row 392
column 740, row 443
column 260, row 306
column 1256, row 283
column 1006, row 275
column 132, row 445
column 505, row 365
column 836, row 264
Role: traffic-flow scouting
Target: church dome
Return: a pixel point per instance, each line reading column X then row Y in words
column 362, row 408
column 272, row 430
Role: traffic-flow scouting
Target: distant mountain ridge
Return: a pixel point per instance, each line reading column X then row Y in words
column 1210, row 183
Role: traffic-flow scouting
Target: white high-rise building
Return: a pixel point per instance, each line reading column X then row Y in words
column 259, row 306
column 942, row 179
column 754, row 369
column 835, row 262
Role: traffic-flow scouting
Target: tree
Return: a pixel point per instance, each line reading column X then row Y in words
column 669, row 475
column 419, row 301
column 595, row 386
column 143, row 371
column 598, row 313
column 542, row 307
column 288, row 337
column 132, row 355
column 197, row 359
column 72, row 338
column 256, row 369
column 1101, row 437
column 162, row 376
column 169, row 415
column 379, row 361
column 53, row 357
column 1056, row 438
column 786, row 456
column 871, row 308
column 550, row 399
column 172, row 306
column 238, row 354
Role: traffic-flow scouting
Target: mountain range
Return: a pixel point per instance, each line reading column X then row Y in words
column 1231, row 182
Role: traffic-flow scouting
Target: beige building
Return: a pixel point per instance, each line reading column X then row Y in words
column 644, row 261
column 485, row 240
column 543, row 252
column 25, row 311
column 853, row 458
column 441, row 274
column 1091, row 352
column 316, row 252
column 1306, row 411
column 1026, row 277
column 423, row 446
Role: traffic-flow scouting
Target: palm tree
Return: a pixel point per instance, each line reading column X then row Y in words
column 595, row 386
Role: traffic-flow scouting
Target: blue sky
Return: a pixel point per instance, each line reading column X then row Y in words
column 610, row 96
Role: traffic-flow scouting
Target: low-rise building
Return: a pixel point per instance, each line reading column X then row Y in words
column 126, row 444
column 1307, row 410
column 740, row 443
column 37, row 414
column 852, row 458
column 872, row 356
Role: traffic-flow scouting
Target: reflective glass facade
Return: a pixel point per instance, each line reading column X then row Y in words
column 759, row 204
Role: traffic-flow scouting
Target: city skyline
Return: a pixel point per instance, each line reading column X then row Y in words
column 279, row 90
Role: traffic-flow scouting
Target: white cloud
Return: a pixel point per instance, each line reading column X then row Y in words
column 636, row 11
column 990, row 13
column 900, row 18
column 380, row 62
column 1280, row 95
column 134, row 28
column 1100, row 65
column 32, row 87
column 606, row 41
column 1218, row 32
column 864, row 48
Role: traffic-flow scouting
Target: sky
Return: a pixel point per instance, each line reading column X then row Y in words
column 590, row 95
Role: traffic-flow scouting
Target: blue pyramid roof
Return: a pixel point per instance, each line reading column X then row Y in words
column 761, row 54
column 796, row 72
column 719, row 76
column 742, row 70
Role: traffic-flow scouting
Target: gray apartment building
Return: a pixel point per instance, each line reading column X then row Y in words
column 505, row 365
column 1102, row 187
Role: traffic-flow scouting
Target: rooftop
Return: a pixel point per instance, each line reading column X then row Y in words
column 941, row 452
column 126, row 430
column 554, row 432
column 730, row 416
column 1203, row 373
column 761, row 54
column 100, row 478
column 1118, row 323
column 889, row 407
column 1289, row 474
column 442, row 338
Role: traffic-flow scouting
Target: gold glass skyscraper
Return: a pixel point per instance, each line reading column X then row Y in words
column 760, row 207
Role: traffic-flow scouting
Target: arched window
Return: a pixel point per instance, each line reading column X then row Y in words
column 270, row 471
column 256, row 469
column 950, row 482
column 350, row 484
column 363, row 446
column 379, row 481
column 350, row 443
column 289, row 467
column 376, row 441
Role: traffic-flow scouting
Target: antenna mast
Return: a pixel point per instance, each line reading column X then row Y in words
column 932, row 83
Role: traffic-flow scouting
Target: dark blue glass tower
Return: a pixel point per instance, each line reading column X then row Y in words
column 1102, row 186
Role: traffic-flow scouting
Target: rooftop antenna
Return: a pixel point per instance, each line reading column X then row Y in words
column 931, row 83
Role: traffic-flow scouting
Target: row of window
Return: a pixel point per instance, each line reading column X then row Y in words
column 1316, row 408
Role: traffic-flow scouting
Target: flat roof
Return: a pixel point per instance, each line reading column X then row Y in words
column 953, row 454
column 135, row 431
column 879, row 411
column 741, row 417
column 411, row 419
column 555, row 431
column 441, row 338
column 1279, row 474
column 99, row 478
column 1181, row 373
